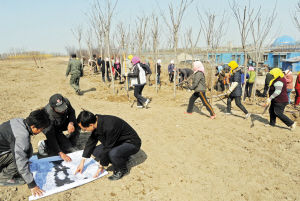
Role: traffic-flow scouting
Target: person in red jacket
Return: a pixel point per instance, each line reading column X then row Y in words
column 297, row 89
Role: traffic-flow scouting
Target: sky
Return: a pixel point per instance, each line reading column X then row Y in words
column 45, row 25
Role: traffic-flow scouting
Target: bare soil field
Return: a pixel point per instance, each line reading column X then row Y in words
column 183, row 157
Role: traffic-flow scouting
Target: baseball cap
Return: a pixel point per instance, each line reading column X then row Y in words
column 58, row 103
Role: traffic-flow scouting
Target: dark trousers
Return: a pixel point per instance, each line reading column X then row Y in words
column 103, row 75
column 138, row 94
column 171, row 77
column 8, row 167
column 118, row 74
column 158, row 78
column 248, row 90
column 220, row 85
column 118, row 155
column 276, row 110
column 202, row 96
column 237, row 102
column 95, row 68
column 66, row 143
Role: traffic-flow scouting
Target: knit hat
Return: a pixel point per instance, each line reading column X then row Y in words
column 198, row 66
column 135, row 60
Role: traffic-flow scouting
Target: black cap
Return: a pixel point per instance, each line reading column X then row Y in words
column 58, row 103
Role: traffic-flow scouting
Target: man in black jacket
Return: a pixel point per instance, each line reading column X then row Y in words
column 118, row 141
column 62, row 116
column 16, row 149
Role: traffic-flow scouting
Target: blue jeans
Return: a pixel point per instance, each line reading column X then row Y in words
column 118, row 155
column 289, row 93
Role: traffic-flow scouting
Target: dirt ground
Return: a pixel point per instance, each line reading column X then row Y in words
column 183, row 157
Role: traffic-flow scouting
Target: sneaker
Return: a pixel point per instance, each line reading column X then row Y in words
column 118, row 174
column 13, row 182
column 293, row 126
column 147, row 102
column 247, row 115
column 187, row 113
column 140, row 106
column 42, row 148
column 213, row 117
column 228, row 113
column 79, row 93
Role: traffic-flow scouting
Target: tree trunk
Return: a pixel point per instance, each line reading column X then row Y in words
column 245, row 70
column 110, row 66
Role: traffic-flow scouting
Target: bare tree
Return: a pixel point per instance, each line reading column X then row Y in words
column 70, row 49
column 296, row 16
column 191, row 41
column 141, row 32
column 104, row 13
column 173, row 24
column 260, row 29
column 77, row 32
column 214, row 29
column 89, row 42
column 245, row 18
column 155, row 41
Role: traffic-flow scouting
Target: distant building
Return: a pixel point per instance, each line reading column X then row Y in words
column 284, row 53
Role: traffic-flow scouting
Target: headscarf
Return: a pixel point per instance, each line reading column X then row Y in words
column 251, row 68
column 220, row 68
column 172, row 61
column 158, row 61
column 135, row 60
column 276, row 72
column 198, row 66
column 130, row 57
column 233, row 65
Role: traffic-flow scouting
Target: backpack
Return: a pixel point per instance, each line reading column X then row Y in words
column 146, row 68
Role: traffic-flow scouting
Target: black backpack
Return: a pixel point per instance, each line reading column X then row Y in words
column 146, row 68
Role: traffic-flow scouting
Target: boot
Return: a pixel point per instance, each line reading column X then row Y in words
column 118, row 174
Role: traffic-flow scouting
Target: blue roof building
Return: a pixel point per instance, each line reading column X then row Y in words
column 283, row 54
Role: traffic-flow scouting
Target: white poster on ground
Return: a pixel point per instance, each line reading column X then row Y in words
column 54, row 175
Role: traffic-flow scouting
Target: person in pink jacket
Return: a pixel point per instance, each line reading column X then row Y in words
column 289, row 80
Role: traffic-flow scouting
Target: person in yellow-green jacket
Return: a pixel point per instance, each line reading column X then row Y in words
column 251, row 75
column 76, row 70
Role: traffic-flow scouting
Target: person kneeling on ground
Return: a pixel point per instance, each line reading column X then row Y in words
column 118, row 142
column 278, row 98
column 200, row 87
column 16, row 149
column 62, row 116
column 138, row 80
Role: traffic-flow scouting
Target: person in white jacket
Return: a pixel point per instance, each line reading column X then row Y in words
column 138, row 80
